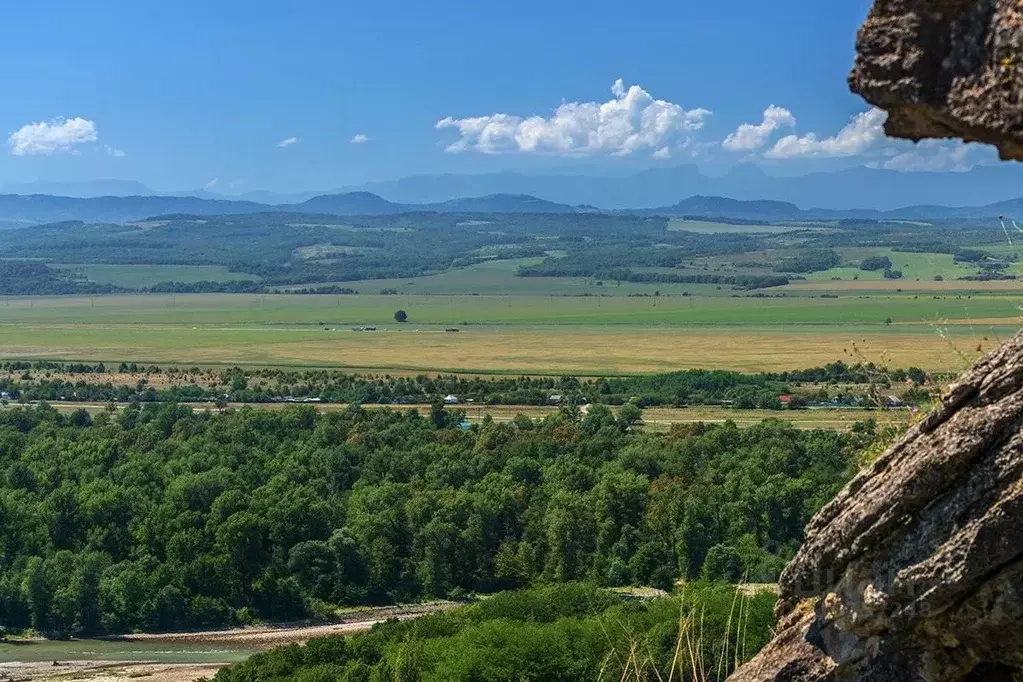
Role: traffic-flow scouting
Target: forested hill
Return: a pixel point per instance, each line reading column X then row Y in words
column 18, row 210
column 41, row 208
column 163, row 518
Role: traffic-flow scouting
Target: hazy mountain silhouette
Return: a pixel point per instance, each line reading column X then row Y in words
column 853, row 188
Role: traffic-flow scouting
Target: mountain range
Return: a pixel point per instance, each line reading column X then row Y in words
column 19, row 211
column 851, row 188
column 746, row 192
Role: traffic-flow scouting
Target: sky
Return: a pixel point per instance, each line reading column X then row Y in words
column 235, row 96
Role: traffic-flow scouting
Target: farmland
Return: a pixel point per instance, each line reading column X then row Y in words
column 534, row 334
column 585, row 294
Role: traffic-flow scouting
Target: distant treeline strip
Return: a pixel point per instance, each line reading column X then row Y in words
column 555, row 269
column 684, row 388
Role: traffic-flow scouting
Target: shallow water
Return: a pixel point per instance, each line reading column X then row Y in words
column 103, row 650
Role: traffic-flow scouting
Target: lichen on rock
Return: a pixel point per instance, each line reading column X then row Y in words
column 945, row 69
column 915, row 570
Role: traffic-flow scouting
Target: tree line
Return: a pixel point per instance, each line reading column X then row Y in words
column 678, row 389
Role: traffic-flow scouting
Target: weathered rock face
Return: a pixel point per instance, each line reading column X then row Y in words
column 915, row 570
column 945, row 68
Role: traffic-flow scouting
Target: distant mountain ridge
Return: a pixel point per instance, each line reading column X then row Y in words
column 19, row 210
column 849, row 189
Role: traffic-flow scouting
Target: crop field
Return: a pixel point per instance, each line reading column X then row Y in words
column 497, row 277
column 710, row 227
column 135, row 276
column 674, row 312
column 574, row 294
column 925, row 266
column 585, row 335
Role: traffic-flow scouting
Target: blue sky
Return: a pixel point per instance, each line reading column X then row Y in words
column 179, row 94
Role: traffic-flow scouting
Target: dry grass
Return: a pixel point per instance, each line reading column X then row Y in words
column 544, row 351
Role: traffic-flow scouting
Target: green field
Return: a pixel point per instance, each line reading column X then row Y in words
column 134, row 276
column 497, row 277
column 531, row 334
column 912, row 265
column 710, row 227
column 677, row 312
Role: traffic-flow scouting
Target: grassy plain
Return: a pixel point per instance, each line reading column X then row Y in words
column 587, row 336
column 711, row 227
column 515, row 324
column 134, row 276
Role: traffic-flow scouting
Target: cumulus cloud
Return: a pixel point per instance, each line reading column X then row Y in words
column 112, row 151
column 58, row 136
column 288, row 141
column 750, row 136
column 360, row 138
column 858, row 136
column 633, row 121
column 934, row 155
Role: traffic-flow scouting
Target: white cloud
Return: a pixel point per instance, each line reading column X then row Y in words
column 632, row 121
column 288, row 141
column 212, row 183
column 360, row 138
column 858, row 136
column 237, row 182
column 112, row 151
column 58, row 136
column 749, row 136
column 934, row 155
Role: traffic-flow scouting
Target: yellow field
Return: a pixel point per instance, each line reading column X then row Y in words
column 559, row 351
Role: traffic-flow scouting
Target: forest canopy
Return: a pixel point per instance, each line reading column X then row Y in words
column 161, row 517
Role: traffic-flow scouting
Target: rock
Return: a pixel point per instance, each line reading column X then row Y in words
column 915, row 570
column 945, row 69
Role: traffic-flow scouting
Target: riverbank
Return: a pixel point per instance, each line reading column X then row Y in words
column 177, row 656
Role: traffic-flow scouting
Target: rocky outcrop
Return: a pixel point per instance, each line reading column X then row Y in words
column 915, row 570
column 945, row 68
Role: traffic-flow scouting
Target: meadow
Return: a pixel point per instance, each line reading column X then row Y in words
column 137, row 276
column 552, row 294
column 509, row 334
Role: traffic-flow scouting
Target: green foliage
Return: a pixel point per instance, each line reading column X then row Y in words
column 161, row 517
column 809, row 260
column 876, row 263
column 31, row 277
column 688, row 387
column 566, row 633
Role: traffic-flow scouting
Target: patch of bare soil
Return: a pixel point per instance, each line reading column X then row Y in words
column 269, row 636
column 107, row 671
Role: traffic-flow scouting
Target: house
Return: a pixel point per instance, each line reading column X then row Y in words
column 554, row 399
column 893, row 401
column 785, row 400
column 450, row 400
